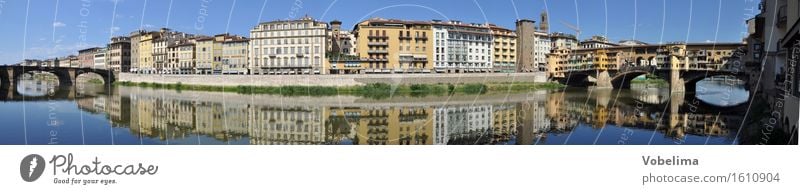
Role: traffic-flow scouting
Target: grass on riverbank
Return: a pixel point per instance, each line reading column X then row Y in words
column 373, row 90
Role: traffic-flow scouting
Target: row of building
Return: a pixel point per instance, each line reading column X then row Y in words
column 308, row 46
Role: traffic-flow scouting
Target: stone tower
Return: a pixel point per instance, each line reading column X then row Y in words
column 543, row 26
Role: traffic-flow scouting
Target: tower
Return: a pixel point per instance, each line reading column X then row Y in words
column 543, row 26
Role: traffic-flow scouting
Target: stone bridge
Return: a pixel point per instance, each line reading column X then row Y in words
column 9, row 75
column 680, row 79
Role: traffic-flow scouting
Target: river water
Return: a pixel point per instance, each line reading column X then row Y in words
column 38, row 112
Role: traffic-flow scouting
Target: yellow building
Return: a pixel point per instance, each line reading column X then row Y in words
column 204, row 53
column 504, row 127
column 145, row 52
column 394, row 46
column 382, row 126
column 182, row 58
column 505, row 49
column 223, row 53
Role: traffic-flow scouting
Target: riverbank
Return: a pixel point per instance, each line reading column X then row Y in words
column 372, row 90
column 334, row 80
column 369, row 85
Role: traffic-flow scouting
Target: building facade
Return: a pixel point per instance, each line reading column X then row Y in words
column 784, row 20
column 289, row 47
column 341, row 41
column 541, row 48
column 149, row 50
column 596, row 42
column 462, row 47
column 86, row 57
column 394, row 46
column 505, row 49
column 563, row 40
column 135, row 38
column 119, row 54
column 100, row 59
column 235, row 55
column 181, row 58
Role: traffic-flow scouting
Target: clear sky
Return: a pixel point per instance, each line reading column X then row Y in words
column 61, row 27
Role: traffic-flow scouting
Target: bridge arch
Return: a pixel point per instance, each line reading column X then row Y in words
column 623, row 80
column 576, row 79
column 66, row 76
column 691, row 79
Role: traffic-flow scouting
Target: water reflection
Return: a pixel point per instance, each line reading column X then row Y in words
column 572, row 116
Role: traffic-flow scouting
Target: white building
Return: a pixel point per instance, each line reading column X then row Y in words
column 100, row 59
column 459, row 123
column 288, row 47
column 462, row 47
column 563, row 41
column 541, row 49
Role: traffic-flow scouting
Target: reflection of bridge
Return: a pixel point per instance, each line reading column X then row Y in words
column 675, row 119
column 10, row 93
column 66, row 75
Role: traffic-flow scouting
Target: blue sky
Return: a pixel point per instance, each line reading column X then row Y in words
column 61, row 27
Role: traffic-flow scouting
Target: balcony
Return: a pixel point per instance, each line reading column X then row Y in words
column 421, row 38
column 378, row 51
column 378, row 37
column 404, row 38
column 377, row 59
column 378, row 44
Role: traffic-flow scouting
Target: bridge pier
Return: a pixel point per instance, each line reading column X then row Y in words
column 10, row 89
column 603, row 80
column 7, row 77
column 68, row 78
column 676, row 83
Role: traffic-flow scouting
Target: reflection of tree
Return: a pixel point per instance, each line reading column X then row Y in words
column 336, row 129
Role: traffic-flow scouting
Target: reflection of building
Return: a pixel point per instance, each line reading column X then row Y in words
column 504, row 123
column 288, row 47
column 533, row 120
column 463, row 124
column 381, row 126
column 287, row 126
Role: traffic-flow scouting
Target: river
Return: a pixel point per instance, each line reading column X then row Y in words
column 40, row 113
